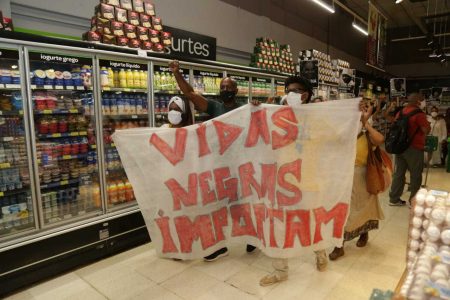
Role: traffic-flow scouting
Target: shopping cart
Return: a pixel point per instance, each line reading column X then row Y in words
column 431, row 144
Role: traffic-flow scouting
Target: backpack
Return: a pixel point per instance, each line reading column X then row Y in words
column 398, row 139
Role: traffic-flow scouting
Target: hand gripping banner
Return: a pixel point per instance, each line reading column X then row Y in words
column 276, row 177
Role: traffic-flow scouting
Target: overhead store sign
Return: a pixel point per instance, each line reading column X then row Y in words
column 56, row 58
column 186, row 44
column 376, row 41
column 122, row 65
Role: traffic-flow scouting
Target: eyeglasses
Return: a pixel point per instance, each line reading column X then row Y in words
column 299, row 91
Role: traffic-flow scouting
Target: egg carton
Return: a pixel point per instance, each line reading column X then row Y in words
column 428, row 251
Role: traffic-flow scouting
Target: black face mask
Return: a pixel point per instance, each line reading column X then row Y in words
column 227, row 96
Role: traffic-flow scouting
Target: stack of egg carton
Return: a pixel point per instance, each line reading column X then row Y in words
column 428, row 258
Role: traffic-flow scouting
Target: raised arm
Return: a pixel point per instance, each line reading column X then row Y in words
column 199, row 101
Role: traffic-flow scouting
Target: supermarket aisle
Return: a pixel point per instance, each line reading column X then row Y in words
column 139, row 274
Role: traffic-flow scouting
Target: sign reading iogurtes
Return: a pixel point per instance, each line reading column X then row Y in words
column 257, row 175
column 186, row 44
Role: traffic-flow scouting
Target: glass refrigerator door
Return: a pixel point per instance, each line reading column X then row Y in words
column 261, row 88
column 243, row 85
column 16, row 205
column 206, row 83
column 165, row 87
column 124, row 90
column 65, row 136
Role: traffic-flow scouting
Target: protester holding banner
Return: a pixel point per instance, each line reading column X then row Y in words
column 365, row 208
column 180, row 113
column 298, row 91
column 228, row 92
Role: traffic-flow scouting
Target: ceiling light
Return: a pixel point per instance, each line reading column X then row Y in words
column 398, row 1
column 359, row 28
column 434, row 55
column 324, row 5
column 443, row 60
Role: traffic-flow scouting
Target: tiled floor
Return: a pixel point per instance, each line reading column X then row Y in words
column 139, row 274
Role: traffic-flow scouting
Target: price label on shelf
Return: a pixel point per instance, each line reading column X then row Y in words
column 67, row 156
column 8, row 139
column 81, row 212
column 127, row 90
column 73, row 111
column 5, row 165
column 80, row 88
column 56, row 135
column 83, row 133
column 48, row 87
column 69, row 87
column 68, row 216
column 47, row 111
column 134, row 116
column 74, row 134
column 59, row 87
column 106, row 88
column 64, row 182
column 12, row 86
column 142, row 53
column 1, row 194
column 2, row 86
column 94, row 146
column 20, row 112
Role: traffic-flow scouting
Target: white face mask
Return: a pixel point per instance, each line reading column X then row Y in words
column 174, row 117
column 423, row 104
column 294, row 99
column 434, row 114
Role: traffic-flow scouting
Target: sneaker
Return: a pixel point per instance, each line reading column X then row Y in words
column 250, row 248
column 321, row 260
column 273, row 278
column 216, row 255
column 399, row 202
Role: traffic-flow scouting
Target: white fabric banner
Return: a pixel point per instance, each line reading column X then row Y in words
column 272, row 176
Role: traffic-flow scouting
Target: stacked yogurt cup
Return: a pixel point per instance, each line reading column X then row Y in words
column 428, row 257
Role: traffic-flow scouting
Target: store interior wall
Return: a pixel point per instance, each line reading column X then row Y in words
column 235, row 28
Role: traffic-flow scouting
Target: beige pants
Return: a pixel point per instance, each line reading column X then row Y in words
column 281, row 265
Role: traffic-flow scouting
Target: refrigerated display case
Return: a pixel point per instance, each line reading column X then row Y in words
column 65, row 136
column 243, row 85
column 17, row 213
column 262, row 88
column 206, row 83
column 124, row 98
column 164, row 87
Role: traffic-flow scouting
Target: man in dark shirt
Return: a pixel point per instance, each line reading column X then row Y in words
column 228, row 91
column 413, row 158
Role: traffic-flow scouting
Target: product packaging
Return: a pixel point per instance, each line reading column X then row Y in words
column 110, row 2
column 121, row 15
column 157, row 24
column 126, row 4
column 105, row 11
column 149, row 8
column 146, row 45
column 102, row 26
column 142, row 33
column 130, row 31
column 166, row 39
column 117, row 28
column 154, row 36
column 91, row 36
column 8, row 24
column 158, row 47
column 122, row 41
column 133, row 18
column 145, row 20
column 138, row 6
column 134, row 43
column 108, row 39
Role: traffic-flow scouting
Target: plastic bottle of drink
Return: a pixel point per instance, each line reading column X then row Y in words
column 157, row 81
column 120, row 104
column 96, row 199
column 136, row 79
column 113, row 104
column 121, row 191
column 122, row 78
column 129, row 194
column 130, row 79
column 143, row 77
column 126, row 103
column 106, row 104
column 116, row 79
column 132, row 98
column 139, row 104
column 144, row 105
column 111, row 77
column 104, row 81
column 112, row 193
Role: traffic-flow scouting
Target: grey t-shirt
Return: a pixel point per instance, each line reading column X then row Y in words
column 216, row 108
